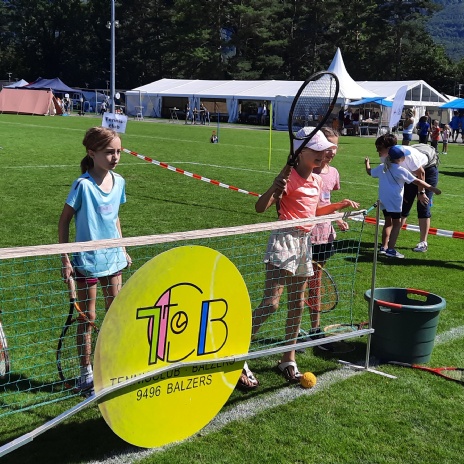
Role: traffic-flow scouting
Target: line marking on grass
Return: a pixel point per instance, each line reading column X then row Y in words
column 252, row 407
column 195, row 163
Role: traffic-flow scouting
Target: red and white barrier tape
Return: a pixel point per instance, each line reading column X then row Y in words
column 187, row 173
column 432, row 230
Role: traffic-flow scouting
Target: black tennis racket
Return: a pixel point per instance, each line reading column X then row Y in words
column 324, row 289
column 4, row 356
column 67, row 353
column 311, row 107
column 455, row 374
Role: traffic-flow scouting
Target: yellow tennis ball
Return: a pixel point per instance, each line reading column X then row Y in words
column 308, row 380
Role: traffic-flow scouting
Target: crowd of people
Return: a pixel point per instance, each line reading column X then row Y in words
column 196, row 115
column 431, row 129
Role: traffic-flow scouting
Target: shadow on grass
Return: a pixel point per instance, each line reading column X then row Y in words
column 453, row 174
column 94, row 441
column 367, row 250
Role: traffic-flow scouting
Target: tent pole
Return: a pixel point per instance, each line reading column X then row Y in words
column 270, row 135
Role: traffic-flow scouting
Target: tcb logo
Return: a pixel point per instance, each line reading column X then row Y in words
column 182, row 322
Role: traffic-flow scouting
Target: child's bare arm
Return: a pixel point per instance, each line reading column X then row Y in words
column 272, row 195
column 421, row 184
column 333, row 207
column 368, row 165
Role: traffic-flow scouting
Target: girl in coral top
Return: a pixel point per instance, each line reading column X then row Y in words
column 288, row 257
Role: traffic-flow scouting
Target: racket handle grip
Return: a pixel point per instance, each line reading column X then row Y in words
column 71, row 288
column 283, row 175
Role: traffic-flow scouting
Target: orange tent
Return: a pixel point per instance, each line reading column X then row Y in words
column 22, row 101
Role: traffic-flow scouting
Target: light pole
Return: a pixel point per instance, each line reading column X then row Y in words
column 112, row 25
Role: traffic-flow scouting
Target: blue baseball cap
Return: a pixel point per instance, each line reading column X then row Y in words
column 398, row 151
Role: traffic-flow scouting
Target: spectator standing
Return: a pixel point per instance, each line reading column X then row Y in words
column 454, row 125
column 187, row 112
column 461, row 124
column 341, row 120
column 423, row 129
column 435, row 134
column 408, row 127
column 355, row 121
column 445, row 135
column 260, row 114
column 264, row 114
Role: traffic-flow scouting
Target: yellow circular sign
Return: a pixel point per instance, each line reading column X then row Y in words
column 187, row 304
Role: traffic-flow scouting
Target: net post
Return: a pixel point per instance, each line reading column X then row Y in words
column 373, row 279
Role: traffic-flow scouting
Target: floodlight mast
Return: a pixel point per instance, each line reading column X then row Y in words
column 113, row 56
column 112, row 26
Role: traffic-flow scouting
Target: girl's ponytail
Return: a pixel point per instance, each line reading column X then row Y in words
column 86, row 164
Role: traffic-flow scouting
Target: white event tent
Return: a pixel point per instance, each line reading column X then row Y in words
column 148, row 99
column 155, row 99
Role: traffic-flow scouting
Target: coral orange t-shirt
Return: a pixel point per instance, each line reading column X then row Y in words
column 300, row 198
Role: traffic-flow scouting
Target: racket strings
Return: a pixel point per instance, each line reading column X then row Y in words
column 73, row 346
column 321, row 292
column 454, row 374
column 314, row 102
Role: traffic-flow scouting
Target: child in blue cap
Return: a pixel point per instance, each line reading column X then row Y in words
column 392, row 177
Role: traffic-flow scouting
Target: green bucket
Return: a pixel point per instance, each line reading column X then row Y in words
column 405, row 321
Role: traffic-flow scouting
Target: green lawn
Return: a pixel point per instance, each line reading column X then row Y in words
column 364, row 418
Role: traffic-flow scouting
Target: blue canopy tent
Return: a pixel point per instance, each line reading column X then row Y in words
column 56, row 84
column 93, row 100
column 457, row 104
column 382, row 102
column 377, row 100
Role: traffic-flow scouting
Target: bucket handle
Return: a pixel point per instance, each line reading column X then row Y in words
column 390, row 305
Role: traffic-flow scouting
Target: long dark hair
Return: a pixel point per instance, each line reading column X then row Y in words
column 95, row 139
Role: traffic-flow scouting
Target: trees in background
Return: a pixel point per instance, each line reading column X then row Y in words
column 221, row 39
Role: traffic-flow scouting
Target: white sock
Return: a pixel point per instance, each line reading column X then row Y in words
column 86, row 372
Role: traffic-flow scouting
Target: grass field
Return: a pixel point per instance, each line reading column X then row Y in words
column 348, row 417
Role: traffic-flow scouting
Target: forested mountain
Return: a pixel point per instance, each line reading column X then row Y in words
column 222, row 39
column 447, row 27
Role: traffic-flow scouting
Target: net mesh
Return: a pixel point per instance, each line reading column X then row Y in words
column 35, row 303
column 315, row 100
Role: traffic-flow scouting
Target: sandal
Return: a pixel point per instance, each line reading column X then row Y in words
column 290, row 371
column 247, row 380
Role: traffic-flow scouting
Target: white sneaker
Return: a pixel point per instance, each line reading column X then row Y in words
column 85, row 387
column 392, row 253
column 421, row 247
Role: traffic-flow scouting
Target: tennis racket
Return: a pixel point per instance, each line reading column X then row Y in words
column 344, row 328
column 311, row 107
column 451, row 373
column 324, row 288
column 67, row 354
column 4, row 356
